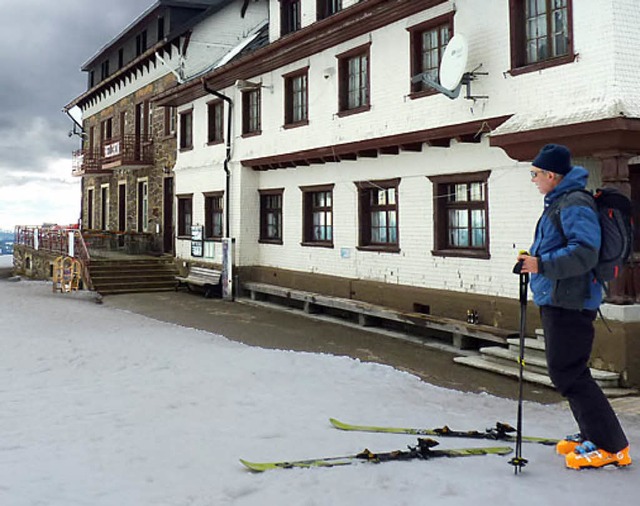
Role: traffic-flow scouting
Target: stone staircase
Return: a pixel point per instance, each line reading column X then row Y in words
column 504, row 361
column 134, row 274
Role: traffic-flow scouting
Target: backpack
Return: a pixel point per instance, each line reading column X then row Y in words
column 614, row 211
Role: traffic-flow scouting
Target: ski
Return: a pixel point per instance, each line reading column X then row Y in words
column 501, row 432
column 423, row 451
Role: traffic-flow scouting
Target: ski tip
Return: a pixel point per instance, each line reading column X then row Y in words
column 254, row 466
column 337, row 423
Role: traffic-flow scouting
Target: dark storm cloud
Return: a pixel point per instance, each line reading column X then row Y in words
column 43, row 45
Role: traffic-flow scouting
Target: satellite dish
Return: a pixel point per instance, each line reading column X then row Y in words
column 454, row 62
column 453, row 71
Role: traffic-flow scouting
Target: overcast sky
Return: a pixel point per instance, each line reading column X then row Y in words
column 44, row 44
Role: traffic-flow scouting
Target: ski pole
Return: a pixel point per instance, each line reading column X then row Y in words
column 518, row 461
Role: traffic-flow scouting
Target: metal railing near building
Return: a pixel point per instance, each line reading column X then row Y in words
column 65, row 241
column 121, row 151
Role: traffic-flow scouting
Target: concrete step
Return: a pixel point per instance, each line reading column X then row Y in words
column 131, row 275
column 480, row 362
column 610, row 388
column 133, row 289
column 508, row 357
column 533, row 347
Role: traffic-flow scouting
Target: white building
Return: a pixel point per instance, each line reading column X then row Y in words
column 346, row 179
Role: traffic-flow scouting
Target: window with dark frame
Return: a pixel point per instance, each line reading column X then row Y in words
column 169, row 121
column 90, row 200
column 104, row 69
column 186, row 130
column 541, row 34
column 317, row 219
column 141, row 43
column 326, row 8
column 160, row 28
column 461, row 215
column 271, row 215
column 251, row 122
column 353, row 80
column 215, row 122
column 185, row 215
column 213, row 215
column 296, row 98
column 428, row 42
column 290, row 16
column 378, row 215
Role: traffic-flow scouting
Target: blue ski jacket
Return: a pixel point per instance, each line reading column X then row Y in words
column 565, row 277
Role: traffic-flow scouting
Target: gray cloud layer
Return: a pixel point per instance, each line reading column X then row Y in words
column 44, row 44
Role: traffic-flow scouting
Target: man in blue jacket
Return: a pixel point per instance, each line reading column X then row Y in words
column 563, row 285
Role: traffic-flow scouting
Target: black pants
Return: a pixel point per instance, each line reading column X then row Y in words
column 569, row 338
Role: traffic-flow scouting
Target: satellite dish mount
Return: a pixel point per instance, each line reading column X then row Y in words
column 452, row 71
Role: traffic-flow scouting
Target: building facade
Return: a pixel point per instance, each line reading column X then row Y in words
column 334, row 172
column 128, row 145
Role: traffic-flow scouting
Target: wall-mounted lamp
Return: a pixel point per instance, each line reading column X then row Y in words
column 244, row 85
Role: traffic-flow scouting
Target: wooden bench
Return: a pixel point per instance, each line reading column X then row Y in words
column 205, row 277
column 464, row 335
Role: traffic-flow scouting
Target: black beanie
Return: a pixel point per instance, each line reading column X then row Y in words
column 554, row 158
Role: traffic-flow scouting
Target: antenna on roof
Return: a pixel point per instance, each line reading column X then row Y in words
column 452, row 71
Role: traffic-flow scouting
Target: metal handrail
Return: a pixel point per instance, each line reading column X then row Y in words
column 56, row 240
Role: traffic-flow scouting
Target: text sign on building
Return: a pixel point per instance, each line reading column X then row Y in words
column 112, row 149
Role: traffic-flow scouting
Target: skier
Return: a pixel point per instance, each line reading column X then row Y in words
column 568, row 297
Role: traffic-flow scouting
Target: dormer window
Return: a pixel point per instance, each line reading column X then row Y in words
column 290, row 16
column 160, row 28
column 326, row 8
column 141, row 43
column 104, row 70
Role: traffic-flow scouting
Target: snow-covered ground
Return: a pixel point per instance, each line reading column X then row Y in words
column 102, row 407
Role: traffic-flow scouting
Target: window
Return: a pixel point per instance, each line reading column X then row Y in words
column 104, row 69
column 378, row 215
column 461, row 215
column 271, row 216
column 215, row 112
column 296, row 108
column 90, row 198
column 169, row 121
column 106, row 129
column 160, row 28
column 317, row 210
column 428, row 42
column 104, row 207
column 141, row 43
column 213, row 215
column 186, row 130
column 143, row 206
column 251, row 112
column 185, row 215
column 353, row 69
column 289, row 16
column 326, row 8
column 541, row 34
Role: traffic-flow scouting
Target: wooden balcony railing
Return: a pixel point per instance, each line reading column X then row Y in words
column 123, row 151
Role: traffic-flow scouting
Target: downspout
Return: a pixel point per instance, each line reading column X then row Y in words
column 227, row 198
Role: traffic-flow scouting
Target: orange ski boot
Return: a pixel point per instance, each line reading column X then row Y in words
column 588, row 455
column 569, row 444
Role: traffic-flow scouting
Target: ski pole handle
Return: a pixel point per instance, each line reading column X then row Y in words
column 517, row 269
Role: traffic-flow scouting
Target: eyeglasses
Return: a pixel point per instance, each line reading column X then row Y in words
column 536, row 173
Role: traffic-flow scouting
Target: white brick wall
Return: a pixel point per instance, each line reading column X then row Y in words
column 601, row 80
